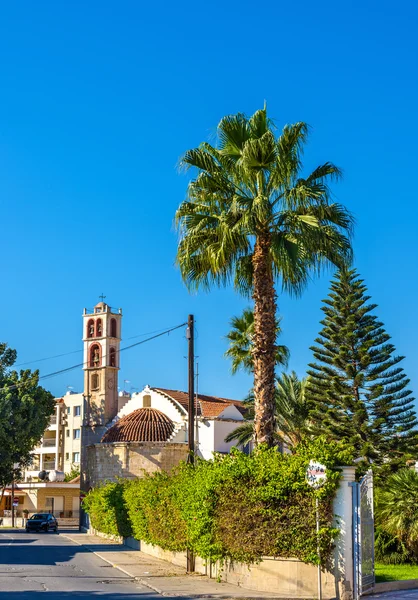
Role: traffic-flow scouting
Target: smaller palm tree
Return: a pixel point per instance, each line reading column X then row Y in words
column 241, row 343
column 397, row 507
column 291, row 413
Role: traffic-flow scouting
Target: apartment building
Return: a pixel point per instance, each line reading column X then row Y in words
column 60, row 447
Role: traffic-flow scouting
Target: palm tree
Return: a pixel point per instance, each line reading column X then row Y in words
column 291, row 413
column 251, row 218
column 397, row 507
column 241, row 343
column 292, row 408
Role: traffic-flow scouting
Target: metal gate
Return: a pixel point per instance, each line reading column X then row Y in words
column 363, row 536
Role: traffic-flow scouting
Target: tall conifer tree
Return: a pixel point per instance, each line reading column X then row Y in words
column 360, row 392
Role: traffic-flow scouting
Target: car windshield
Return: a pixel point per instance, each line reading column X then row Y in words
column 39, row 516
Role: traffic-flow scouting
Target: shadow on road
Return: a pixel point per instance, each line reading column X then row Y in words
column 46, row 595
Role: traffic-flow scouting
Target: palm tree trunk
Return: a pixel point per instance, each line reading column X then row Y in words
column 264, row 352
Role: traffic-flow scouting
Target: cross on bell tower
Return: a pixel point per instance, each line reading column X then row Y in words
column 101, row 337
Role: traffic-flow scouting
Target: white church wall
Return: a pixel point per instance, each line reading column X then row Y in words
column 206, row 437
column 158, row 401
column 231, row 412
column 221, row 430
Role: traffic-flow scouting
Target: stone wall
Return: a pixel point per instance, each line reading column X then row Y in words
column 286, row 577
column 107, row 462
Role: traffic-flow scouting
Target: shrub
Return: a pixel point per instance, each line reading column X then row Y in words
column 234, row 506
column 106, row 507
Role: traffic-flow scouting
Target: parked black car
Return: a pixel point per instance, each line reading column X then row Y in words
column 42, row 522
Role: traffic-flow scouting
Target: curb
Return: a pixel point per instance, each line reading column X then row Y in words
column 154, row 588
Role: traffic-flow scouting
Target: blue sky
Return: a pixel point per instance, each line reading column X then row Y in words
column 98, row 102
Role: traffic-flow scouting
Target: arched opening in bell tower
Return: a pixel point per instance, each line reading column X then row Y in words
column 113, row 328
column 90, row 328
column 112, row 357
column 95, row 356
column 99, row 328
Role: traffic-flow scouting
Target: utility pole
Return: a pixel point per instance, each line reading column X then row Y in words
column 190, row 338
column 196, row 429
column 13, row 500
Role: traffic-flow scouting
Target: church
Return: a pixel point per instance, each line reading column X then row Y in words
column 126, row 435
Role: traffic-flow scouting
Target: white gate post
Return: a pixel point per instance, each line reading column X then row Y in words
column 343, row 553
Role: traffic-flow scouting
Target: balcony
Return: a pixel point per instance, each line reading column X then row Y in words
column 49, row 443
column 49, row 465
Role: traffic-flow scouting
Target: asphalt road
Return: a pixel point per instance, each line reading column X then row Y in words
column 48, row 566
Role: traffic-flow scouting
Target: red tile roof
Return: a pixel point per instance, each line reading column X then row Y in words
column 141, row 425
column 207, row 406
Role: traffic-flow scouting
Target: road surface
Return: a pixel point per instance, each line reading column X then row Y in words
column 48, row 566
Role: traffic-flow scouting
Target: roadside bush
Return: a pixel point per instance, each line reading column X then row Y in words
column 106, row 507
column 154, row 513
column 235, row 506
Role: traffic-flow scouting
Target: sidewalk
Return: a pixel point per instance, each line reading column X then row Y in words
column 159, row 575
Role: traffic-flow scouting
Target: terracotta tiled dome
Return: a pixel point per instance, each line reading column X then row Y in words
column 142, row 425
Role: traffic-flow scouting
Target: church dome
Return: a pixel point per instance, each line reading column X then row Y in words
column 142, row 425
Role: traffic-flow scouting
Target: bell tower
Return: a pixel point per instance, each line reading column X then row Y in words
column 101, row 338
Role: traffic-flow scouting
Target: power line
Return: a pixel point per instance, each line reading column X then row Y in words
column 30, row 362
column 49, row 375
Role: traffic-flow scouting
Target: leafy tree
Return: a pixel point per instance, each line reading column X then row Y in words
column 292, row 411
column 25, row 410
column 357, row 384
column 251, row 218
column 241, row 343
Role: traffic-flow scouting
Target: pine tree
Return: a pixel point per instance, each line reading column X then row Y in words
column 359, row 390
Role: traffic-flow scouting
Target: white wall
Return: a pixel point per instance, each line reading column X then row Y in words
column 231, row 412
column 222, row 429
column 206, row 438
column 158, row 401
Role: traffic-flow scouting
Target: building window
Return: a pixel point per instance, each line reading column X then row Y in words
column 90, row 328
column 99, row 328
column 68, row 410
column 146, row 401
column 95, row 356
column 95, row 381
column 112, row 357
column 68, row 433
column 76, row 457
column 113, row 328
column 67, row 456
column 76, row 434
column 77, row 411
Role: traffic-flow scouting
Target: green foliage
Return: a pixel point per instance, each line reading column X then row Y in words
column 397, row 513
column 75, row 472
column 391, row 550
column 107, row 509
column 253, row 220
column 250, row 185
column 25, row 410
column 234, row 506
column 292, row 413
column 241, row 343
column 356, row 383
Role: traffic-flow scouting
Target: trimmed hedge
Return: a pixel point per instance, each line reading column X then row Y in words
column 108, row 511
column 234, row 506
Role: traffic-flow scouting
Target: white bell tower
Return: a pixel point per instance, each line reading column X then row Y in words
column 101, row 337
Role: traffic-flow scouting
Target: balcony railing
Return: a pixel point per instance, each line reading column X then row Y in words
column 48, row 443
column 49, row 465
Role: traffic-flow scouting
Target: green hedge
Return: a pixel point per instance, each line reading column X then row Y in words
column 107, row 509
column 234, row 506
